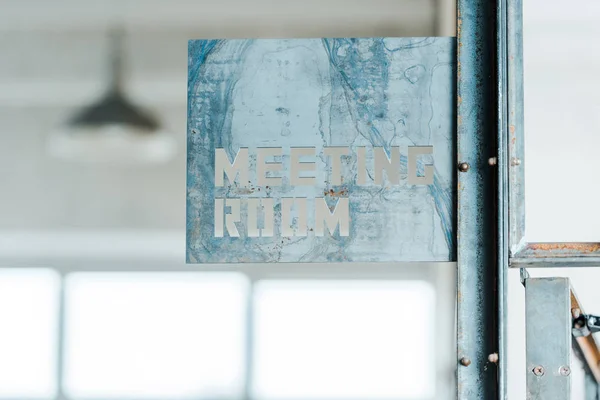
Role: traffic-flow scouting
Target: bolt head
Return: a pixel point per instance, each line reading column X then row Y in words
column 538, row 371
column 465, row 362
column 515, row 161
column 576, row 313
column 492, row 161
column 493, row 358
column 564, row 370
column 463, row 167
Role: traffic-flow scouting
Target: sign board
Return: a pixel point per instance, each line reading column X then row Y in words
column 321, row 150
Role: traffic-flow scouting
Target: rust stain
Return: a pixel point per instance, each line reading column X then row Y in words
column 339, row 193
column 565, row 247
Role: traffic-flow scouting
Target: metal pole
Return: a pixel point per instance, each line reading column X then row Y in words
column 502, row 162
column 477, row 299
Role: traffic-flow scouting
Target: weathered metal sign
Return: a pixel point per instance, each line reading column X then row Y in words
column 312, row 150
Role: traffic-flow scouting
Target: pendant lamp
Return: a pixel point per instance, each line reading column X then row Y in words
column 113, row 130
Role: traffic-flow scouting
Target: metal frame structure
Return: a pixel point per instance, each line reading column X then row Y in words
column 491, row 221
column 523, row 253
column 550, row 302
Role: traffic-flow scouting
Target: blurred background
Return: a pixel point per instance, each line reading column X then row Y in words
column 95, row 299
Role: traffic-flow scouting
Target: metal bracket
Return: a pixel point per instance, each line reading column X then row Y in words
column 548, row 308
column 556, row 324
column 584, row 324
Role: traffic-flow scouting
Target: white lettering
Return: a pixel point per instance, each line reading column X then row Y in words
column 286, row 215
column 335, row 156
column 219, row 211
column 339, row 217
column 230, row 218
column 262, row 166
column 239, row 167
column 298, row 166
column 413, row 178
column 254, row 204
column 361, row 165
column 390, row 165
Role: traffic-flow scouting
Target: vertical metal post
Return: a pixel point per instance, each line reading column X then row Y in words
column 477, row 298
column 516, row 123
column 502, row 164
column 548, row 322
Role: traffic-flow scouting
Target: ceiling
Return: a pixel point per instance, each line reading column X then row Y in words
column 54, row 58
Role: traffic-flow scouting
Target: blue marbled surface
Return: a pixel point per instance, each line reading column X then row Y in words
column 325, row 92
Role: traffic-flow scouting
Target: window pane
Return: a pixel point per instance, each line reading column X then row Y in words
column 155, row 335
column 562, row 119
column 29, row 300
column 344, row 340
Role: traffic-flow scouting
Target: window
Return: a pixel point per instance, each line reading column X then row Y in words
column 343, row 340
column 29, row 300
column 154, row 335
column 125, row 329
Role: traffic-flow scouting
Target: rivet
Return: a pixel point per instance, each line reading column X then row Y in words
column 564, row 370
column 493, row 358
column 515, row 161
column 492, row 161
column 465, row 362
column 463, row 167
column 538, row 371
